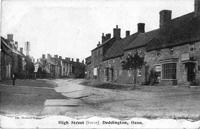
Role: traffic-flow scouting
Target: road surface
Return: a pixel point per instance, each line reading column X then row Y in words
column 69, row 97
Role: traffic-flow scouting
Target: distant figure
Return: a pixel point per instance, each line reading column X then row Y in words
column 13, row 79
column 152, row 77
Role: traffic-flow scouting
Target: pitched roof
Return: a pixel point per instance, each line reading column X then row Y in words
column 117, row 49
column 6, row 43
column 181, row 30
column 141, row 40
column 104, row 43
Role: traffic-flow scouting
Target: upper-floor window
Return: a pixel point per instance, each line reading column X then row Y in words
column 171, row 50
column 192, row 47
column 157, row 52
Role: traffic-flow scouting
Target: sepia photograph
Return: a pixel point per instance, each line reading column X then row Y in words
column 111, row 60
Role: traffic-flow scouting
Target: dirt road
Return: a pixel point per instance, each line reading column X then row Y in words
column 69, row 97
column 149, row 102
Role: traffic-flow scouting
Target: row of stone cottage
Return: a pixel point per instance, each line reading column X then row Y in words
column 57, row 67
column 12, row 60
column 172, row 51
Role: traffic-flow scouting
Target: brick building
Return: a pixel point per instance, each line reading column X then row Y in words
column 172, row 52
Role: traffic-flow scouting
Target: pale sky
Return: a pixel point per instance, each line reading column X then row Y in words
column 72, row 28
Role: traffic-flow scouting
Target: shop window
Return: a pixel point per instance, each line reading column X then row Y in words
column 169, row 71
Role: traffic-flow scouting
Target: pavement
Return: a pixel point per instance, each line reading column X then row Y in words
column 69, row 97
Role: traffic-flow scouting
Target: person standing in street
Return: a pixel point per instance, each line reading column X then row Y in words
column 13, row 79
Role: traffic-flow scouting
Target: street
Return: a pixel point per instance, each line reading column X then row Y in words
column 69, row 97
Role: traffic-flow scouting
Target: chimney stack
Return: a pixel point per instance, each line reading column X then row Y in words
column 55, row 56
column 99, row 43
column 103, row 38
column 43, row 56
column 141, row 27
column 127, row 33
column 48, row 56
column 67, row 59
column 117, row 32
column 108, row 36
column 165, row 17
column 21, row 49
column 77, row 60
column 10, row 37
column 197, row 8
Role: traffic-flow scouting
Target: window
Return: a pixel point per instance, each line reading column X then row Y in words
column 192, row 47
column 171, row 51
column 139, row 72
column 169, row 71
column 158, row 52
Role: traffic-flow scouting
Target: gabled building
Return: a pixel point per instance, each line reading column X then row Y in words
column 99, row 53
column 171, row 52
column 174, row 53
column 12, row 60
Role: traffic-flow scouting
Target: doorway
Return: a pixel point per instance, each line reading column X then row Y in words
column 190, row 71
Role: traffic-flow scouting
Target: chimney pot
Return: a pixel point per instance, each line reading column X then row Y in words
column 165, row 17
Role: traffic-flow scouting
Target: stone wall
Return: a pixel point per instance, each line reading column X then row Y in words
column 159, row 57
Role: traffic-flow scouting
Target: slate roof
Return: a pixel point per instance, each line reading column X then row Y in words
column 117, row 49
column 141, row 40
column 6, row 43
column 181, row 30
column 104, row 43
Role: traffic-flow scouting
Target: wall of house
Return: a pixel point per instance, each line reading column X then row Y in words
column 96, row 59
column 141, row 74
column 89, row 71
column 174, row 55
column 6, row 66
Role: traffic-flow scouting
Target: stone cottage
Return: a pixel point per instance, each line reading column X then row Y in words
column 172, row 52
